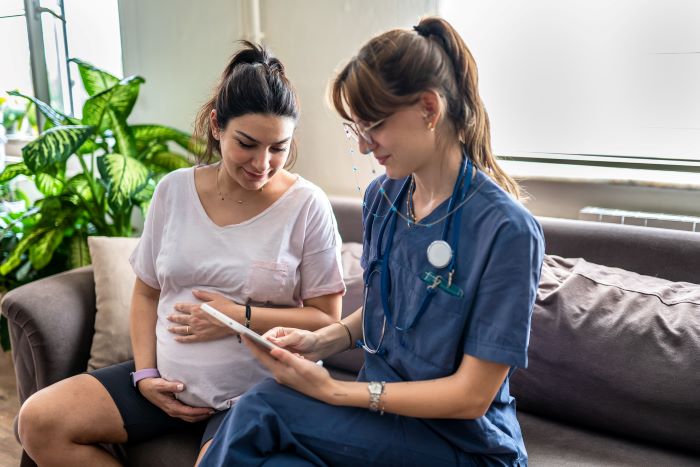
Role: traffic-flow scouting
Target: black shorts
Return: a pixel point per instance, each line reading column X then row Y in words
column 143, row 420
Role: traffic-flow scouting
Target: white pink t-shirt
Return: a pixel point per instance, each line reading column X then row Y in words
column 288, row 253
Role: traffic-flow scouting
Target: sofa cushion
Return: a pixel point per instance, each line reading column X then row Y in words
column 553, row 444
column 114, row 283
column 616, row 351
column 350, row 360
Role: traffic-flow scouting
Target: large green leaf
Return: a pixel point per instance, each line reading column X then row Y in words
column 13, row 170
column 55, row 117
column 145, row 195
column 89, row 147
column 15, row 258
column 167, row 162
column 48, row 184
column 79, row 252
column 126, row 176
column 54, row 147
column 162, row 133
column 42, row 249
column 120, row 98
column 122, row 134
column 79, row 186
column 149, row 151
column 94, row 79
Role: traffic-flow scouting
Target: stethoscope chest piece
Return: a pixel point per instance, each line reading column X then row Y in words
column 439, row 253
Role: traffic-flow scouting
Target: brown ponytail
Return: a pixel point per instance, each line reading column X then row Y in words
column 253, row 82
column 391, row 71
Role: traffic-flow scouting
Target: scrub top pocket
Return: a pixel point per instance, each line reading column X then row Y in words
column 430, row 340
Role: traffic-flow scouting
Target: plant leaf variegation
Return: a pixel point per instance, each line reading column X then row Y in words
column 93, row 172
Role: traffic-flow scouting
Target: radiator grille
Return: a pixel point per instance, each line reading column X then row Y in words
column 646, row 219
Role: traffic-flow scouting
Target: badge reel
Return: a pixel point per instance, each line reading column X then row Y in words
column 439, row 256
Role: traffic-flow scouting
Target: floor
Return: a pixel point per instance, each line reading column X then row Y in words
column 10, row 451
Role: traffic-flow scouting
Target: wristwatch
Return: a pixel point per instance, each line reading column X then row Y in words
column 138, row 375
column 376, row 389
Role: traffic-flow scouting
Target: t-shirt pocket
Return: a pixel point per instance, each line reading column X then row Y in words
column 267, row 282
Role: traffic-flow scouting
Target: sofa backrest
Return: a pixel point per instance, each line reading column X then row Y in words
column 348, row 213
column 665, row 253
column 668, row 254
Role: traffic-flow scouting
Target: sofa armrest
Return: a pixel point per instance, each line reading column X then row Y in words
column 51, row 324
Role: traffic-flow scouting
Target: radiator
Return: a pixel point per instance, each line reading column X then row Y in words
column 647, row 219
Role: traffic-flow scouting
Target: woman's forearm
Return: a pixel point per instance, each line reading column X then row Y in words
column 263, row 319
column 439, row 398
column 334, row 338
column 315, row 314
column 142, row 326
column 466, row 394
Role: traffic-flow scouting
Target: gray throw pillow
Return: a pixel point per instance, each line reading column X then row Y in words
column 351, row 252
column 615, row 351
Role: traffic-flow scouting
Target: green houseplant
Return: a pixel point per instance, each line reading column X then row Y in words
column 119, row 167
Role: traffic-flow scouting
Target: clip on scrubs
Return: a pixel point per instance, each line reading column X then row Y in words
column 440, row 253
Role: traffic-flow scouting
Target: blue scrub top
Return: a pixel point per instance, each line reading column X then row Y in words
column 498, row 267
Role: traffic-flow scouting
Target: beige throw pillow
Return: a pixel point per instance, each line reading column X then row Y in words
column 114, row 283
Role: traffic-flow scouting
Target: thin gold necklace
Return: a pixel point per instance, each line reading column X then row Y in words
column 223, row 196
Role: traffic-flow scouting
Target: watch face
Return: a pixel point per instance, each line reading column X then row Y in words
column 375, row 387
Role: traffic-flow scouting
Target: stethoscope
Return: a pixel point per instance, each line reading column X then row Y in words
column 441, row 254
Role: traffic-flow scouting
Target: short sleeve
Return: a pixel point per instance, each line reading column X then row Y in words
column 370, row 193
column 143, row 259
column 321, row 269
column 499, row 324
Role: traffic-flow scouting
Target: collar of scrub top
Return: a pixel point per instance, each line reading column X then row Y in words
column 459, row 193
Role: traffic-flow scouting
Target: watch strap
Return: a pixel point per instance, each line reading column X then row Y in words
column 375, row 396
column 144, row 373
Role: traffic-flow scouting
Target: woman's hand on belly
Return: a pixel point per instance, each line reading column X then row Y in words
column 161, row 393
column 191, row 324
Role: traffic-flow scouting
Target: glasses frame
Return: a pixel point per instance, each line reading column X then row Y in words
column 355, row 131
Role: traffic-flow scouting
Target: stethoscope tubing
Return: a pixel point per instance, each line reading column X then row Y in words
column 459, row 192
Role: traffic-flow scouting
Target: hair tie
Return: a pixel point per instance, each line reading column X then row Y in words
column 421, row 30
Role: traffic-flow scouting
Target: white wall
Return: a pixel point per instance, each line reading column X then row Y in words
column 315, row 38
column 180, row 47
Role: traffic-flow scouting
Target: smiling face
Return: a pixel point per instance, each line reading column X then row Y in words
column 254, row 147
column 402, row 143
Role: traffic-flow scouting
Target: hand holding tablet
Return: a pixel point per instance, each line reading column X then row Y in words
column 238, row 327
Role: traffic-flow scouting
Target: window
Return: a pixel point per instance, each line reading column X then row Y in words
column 53, row 31
column 589, row 81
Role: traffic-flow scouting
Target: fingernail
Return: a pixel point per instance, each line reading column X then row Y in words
column 212, row 412
column 180, row 387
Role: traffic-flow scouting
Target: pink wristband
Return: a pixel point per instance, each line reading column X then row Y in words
column 138, row 375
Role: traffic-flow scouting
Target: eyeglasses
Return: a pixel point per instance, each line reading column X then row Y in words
column 355, row 131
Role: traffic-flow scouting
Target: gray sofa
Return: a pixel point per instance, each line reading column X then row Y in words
column 51, row 325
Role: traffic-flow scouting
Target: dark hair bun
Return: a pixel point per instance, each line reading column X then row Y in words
column 254, row 54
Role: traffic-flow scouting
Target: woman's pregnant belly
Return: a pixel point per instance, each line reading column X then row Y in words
column 215, row 373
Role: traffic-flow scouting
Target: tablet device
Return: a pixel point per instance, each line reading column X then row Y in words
column 236, row 326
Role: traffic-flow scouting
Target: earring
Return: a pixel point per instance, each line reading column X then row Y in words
column 431, row 123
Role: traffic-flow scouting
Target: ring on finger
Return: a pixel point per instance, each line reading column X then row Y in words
column 187, row 331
